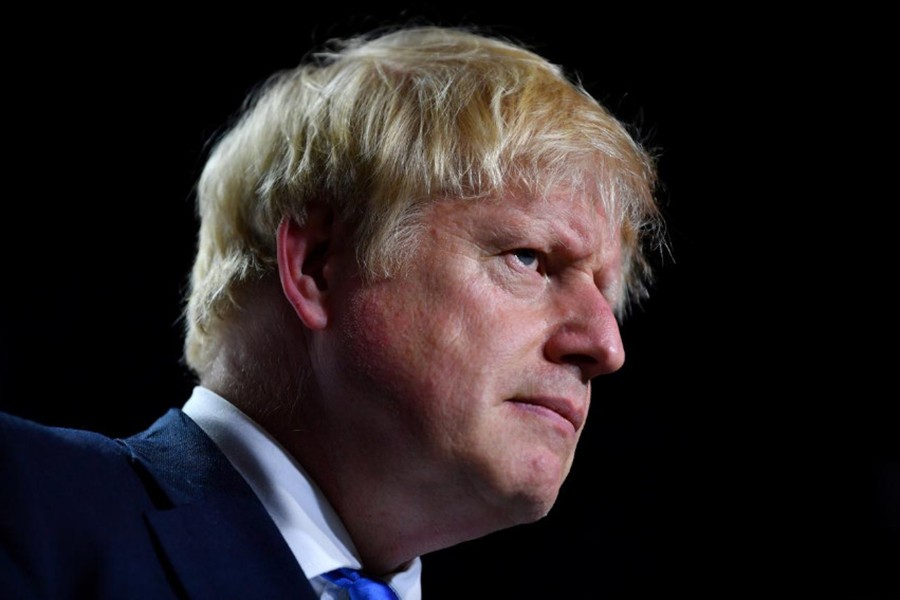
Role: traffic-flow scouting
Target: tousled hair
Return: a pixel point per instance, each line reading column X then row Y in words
column 377, row 126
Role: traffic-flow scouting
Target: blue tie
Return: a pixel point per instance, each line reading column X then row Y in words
column 361, row 588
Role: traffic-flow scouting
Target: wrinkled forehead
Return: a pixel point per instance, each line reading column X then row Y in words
column 559, row 217
column 583, row 180
column 574, row 221
column 566, row 228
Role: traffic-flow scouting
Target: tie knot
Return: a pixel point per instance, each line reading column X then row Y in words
column 359, row 586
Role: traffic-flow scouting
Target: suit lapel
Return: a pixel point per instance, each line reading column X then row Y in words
column 217, row 550
column 216, row 536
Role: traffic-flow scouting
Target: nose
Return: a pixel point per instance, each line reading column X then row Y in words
column 586, row 334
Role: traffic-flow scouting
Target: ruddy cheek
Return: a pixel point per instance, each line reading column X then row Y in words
column 395, row 337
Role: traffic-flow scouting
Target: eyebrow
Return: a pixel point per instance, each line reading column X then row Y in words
column 518, row 226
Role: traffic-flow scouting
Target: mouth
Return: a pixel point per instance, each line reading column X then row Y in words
column 563, row 409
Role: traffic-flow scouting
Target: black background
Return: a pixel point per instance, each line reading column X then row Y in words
column 747, row 446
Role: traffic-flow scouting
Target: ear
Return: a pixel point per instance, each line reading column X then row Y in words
column 303, row 252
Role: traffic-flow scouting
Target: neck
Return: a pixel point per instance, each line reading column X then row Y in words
column 390, row 499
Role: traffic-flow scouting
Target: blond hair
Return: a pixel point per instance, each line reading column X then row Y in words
column 377, row 126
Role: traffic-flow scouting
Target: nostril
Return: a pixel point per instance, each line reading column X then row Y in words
column 593, row 347
column 587, row 364
column 580, row 359
column 593, row 365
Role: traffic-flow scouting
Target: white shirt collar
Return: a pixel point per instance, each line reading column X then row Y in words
column 304, row 517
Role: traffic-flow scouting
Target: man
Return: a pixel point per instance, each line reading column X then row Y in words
column 413, row 253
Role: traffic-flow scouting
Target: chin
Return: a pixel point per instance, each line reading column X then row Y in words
column 524, row 487
column 530, row 507
column 536, row 496
column 547, row 475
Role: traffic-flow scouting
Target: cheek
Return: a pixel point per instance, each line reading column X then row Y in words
column 396, row 340
column 449, row 336
column 376, row 338
column 396, row 344
column 401, row 363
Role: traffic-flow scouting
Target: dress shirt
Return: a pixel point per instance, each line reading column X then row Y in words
column 304, row 517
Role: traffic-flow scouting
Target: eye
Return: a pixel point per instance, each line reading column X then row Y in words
column 528, row 258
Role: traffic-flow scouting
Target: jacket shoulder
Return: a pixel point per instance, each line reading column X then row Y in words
column 31, row 451
column 72, row 501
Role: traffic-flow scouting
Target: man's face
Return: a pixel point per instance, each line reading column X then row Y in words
column 472, row 369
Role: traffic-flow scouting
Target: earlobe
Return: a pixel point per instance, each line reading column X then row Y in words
column 302, row 254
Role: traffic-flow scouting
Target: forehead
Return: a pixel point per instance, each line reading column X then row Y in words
column 561, row 219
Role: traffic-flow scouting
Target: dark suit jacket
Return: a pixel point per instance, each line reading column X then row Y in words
column 159, row 515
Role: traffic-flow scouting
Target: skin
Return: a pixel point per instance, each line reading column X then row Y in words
column 447, row 402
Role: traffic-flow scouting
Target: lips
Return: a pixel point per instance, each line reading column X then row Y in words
column 572, row 411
